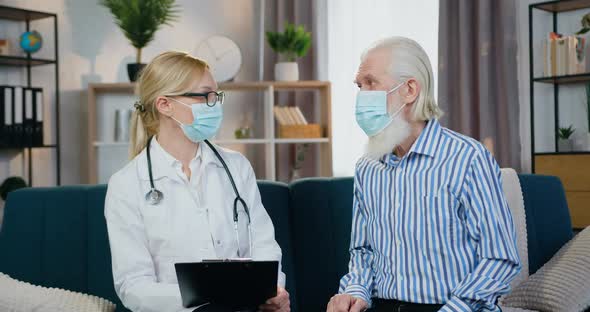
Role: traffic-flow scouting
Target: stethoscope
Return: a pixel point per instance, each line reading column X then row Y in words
column 155, row 196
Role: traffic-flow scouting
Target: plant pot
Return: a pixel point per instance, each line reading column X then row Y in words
column 286, row 71
column 133, row 70
column 565, row 145
column 586, row 138
column 295, row 174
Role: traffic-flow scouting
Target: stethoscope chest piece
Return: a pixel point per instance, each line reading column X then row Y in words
column 154, row 196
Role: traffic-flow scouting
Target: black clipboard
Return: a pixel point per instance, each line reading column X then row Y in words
column 235, row 284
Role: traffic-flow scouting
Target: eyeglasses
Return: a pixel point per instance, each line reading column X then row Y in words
column 211, row 97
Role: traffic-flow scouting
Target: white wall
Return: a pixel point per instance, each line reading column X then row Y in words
column 93, row 49
column 351, row 27
column 572, row 98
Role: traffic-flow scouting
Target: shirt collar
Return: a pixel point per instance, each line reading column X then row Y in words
column 427, row 141
column 425, row 144
column 164, row 164
column 168, row 159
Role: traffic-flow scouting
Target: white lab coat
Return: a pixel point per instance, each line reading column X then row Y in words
column 194, row 221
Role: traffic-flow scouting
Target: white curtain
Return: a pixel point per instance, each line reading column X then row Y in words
column 349, row 26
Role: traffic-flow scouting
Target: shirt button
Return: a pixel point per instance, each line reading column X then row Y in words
column 218, row 242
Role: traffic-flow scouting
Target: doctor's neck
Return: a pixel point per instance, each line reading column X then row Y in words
column 173, row 141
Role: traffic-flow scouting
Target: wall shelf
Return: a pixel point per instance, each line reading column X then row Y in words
column 233, row 141
column 241, row 141
column 579, row 78
column 267, row 145
column 22, row 15
column 300, row 141
column 23, row 61
column 27, row 63
column 32, row 147
column 564, row 153
column 562, row 5
column 573, row 168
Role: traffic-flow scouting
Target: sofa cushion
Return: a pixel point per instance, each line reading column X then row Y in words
column 547, row 216
column 275, row 198
column 513, row 194
column 62, row 240
column 321, row 218
column 562, row 284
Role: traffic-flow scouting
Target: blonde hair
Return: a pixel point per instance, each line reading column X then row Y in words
column 170, row 73
column 409, row 60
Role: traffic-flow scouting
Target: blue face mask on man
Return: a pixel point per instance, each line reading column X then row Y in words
column 371, row 110
column 206, row 121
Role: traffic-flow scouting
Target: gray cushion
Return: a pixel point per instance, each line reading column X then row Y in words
column 562, row 284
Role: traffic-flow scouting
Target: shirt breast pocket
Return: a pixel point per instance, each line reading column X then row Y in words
column 441, row 211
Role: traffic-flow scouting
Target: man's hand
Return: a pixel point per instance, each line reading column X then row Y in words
column 280, row 303
column 347, row 303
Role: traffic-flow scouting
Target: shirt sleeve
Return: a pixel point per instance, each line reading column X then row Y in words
column 263, row 233
column 359, row 281
column 133, row 270
column 489, row 224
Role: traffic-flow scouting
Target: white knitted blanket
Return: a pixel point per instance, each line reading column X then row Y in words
column 17, row 296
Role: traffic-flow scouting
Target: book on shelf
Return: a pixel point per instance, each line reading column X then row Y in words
column 21, row 116
column 564, row 55
column 289, row 115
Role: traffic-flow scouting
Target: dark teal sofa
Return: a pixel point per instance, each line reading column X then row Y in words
column 56, row 237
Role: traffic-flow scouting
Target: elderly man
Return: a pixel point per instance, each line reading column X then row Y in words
column 431, row 228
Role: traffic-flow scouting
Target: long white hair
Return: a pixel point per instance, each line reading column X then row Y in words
column 409, row 60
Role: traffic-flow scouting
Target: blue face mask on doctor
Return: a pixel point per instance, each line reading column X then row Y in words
column 206, row 121
column 371, row 110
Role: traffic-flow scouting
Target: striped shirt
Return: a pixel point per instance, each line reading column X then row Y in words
column 432, row 226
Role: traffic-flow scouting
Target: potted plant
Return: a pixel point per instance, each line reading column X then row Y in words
column 565, row 143
column 294, row 42
column 300, row 150
column 139, row 20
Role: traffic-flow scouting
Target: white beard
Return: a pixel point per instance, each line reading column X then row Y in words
column 388, row 139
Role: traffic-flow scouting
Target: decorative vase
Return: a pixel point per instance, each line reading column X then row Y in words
column 122, row 124
column 565, row 145
column 295, row 174
column 133, row 70
column 286, row 71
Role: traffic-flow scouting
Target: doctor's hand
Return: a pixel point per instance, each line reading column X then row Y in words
column 280, row 303
column 347, row 303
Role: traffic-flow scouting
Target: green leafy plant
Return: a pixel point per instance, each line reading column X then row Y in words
column 566, row 133
column 585, row 22
column 140, row 19
column 300, row 150
column 294, row 42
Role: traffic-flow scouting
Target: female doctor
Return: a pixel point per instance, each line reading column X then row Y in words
column 174, row 201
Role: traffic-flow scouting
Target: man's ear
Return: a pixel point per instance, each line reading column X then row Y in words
column 410, row 91
column 164, row 106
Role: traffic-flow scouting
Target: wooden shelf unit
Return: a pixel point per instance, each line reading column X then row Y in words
column 573, row 168
column 269, row 141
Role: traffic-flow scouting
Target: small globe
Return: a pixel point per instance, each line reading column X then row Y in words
column 31, row 41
